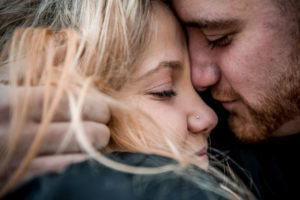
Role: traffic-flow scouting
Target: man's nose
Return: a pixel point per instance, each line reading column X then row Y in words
column 204, row 75
column 204, row 66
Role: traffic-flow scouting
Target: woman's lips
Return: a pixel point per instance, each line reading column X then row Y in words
column 202, row 158
column 202, row 152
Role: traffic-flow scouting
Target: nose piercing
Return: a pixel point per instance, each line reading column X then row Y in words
column 197, row 116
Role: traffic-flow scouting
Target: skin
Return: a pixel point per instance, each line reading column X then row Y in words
column 245, row 53
column 48, row 159
column 162, row 87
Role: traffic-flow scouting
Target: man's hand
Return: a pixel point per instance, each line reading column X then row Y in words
column 95, row 115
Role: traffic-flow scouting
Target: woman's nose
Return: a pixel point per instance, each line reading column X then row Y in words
column 202, row 120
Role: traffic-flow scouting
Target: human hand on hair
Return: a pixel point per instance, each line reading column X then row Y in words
column 95, row 116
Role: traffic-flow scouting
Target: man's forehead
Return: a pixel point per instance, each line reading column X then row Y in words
column 191, row 10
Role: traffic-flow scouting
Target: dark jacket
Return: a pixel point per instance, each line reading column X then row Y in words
column 93, row 181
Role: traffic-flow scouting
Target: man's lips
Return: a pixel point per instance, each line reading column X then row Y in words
column 226, row 101
column 228, row 104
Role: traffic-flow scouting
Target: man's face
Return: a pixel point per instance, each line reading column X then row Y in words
column 245, row 52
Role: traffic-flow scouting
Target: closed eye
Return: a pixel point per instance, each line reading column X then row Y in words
column 163, row 94
column 220, row 42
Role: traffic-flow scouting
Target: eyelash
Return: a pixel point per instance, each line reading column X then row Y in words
column 221, row 42
column 164, row 94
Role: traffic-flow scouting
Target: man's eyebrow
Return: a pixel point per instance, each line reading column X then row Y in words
column 213, row 23
column 173, row 65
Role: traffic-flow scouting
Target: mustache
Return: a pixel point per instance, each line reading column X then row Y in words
column 225, row 94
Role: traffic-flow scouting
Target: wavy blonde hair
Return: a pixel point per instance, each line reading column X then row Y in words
column 86, row 47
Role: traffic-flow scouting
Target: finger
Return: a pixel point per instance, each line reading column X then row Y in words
column 53, row 163
column 97, row 134
column 95, row 108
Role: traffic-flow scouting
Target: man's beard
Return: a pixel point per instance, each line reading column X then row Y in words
column 257, row 122
column 261, row 121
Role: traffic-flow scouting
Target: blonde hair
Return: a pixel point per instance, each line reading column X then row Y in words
column 86, row 47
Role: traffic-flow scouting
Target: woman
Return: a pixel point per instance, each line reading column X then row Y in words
column 133, row 54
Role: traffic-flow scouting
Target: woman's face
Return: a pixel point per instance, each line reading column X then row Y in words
column 162, row 87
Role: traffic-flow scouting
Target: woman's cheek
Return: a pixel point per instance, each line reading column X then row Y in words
column 170, row 120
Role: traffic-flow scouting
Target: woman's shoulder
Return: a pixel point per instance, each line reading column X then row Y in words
column 91, row 180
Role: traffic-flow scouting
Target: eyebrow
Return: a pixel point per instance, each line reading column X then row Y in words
column 173, row 65
column 215, row 24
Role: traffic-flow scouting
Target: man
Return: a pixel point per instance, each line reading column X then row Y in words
column 247, row 53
